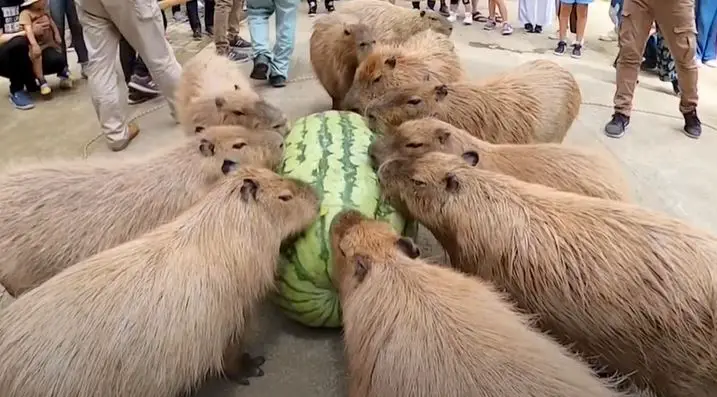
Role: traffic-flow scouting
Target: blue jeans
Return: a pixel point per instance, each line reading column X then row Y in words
column 706, row 11
column 617, row 5
column 258, row 13
column 61, row 9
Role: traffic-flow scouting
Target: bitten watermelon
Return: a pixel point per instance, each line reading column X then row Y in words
column 329, row 150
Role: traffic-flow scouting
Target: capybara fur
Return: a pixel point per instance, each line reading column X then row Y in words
column 426, row 56
column 213, row 91
column 631, row 288
column 55, row 214
column 155, row 315
column 391, row 23
column 563, row 167
column 413, row 329
column 335, row 43
column 507, row 108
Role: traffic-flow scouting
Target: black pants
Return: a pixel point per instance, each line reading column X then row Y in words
column 16, row 66
column 131, row 62
column 193, row 14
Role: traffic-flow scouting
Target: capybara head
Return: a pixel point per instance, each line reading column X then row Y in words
column 364, row 248
column 407, row 102
column 437, row 22
column 236, row 108
column 246, row 146
column 416, row 137
column 363, row 38
column 288, row 204
column 428, row 184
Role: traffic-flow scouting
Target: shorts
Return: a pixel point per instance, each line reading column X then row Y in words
column 585, row 2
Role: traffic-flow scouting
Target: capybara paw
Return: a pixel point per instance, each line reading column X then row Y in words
column 250, row 367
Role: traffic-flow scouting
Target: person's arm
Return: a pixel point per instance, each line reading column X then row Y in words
column 55, row 30
column 164, row 4
column 26, row 23
column 5, row 37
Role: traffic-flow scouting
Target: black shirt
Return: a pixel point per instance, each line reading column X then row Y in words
column 10, row 13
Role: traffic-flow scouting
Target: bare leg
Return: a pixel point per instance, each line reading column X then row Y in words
column 582, row 11
column 564, row 20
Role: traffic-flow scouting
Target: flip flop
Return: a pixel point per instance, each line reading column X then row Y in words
column 478, row 17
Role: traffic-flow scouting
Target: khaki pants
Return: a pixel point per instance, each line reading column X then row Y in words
column 140, row 22
column 676, row 19
column 227, row 16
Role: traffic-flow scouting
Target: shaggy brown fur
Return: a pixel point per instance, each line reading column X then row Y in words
column 334, row 46
column 53, row 215
column 631, row 288
column 508, row 108
column 153, row 316
column 213, row 91
column 419, row 330
column 393, row 23
column 426, row 56
column 566, row 168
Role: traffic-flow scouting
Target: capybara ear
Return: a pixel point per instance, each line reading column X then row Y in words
column 452, row 184
column 443, row 135
column 423, row 13
column 220, row 102
column 391, row 62
column 471, row 157
column 408, row 247
column 441, row 91
column 228, row 166
column 198, row 129
column 361, row 267
column 248, row 190
column 206, row 148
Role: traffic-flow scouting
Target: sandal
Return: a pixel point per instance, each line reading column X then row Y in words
column 498, row 18
column 478, row 17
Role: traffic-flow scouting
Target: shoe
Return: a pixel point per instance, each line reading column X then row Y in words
column 312, row 9
column 617, row 125
column 239, row 42
column 577, row 51
column 478, row 17
column 452, row 17
column 468, row 18
column 676, row 87
column 538, row 29
column 711, row 63
column 528, row 27
column 693, row 125
column 609, row 36
column 209, row 31
column 136, row 97
column 238, row 57
column 83, row 70
column 330, row 6
column 277, row 81
column 65, row 80
column 507, row 29
column 261, row 68
column 443, row 10
column 560, row 48
column 490, row 25
column 132, row 132
column 197, row 34
column 144, row 84
column 21, row 100
column 44, row 88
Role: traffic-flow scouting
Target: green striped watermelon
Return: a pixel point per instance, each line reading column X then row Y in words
column 329, row 150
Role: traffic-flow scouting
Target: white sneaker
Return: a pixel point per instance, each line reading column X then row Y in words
column 452, row 17
column 711, row 63
column 554, row 36
column 468, row 19
column 609, row 36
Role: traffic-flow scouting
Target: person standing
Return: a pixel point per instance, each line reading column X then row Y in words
column 676, row 19
column 536, row 14
column 273, row 65
column 104, row 23
column 227, row 17
column 59, row 10
column 581, row 11
column 615, row 14
column 707, row 32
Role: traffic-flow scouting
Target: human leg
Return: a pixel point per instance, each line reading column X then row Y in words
column 15, row 65
column 581, row 9
column 78, row 38
column 563, row 21
column 235, row 39
column 285, row 40
column 222, row 12
column 452, row 9
column 209, row 17
column 194, row 23
column 707, row 31
column 258, row 13
column 467, row 13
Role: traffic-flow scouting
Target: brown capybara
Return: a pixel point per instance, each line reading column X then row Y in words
column 335, row 42
column 426, row 56
column 566, row 168
column 391, row 23
column 631, row 288
column 413, row 329
column 155, row 315
column 508, row 108
column 213, row 91
column 55, row 214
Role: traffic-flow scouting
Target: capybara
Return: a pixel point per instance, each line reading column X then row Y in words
column 391, row 23
column 153, row 316
column 631, row 288
column 426, row 56
column 335, row 42
column 566, row 168
column 213, row 91
column 413, row 329
column 507, row 108
column 55, row 214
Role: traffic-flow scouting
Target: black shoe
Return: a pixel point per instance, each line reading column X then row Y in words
column 577, row 51
column 617, row 125
column 209, row 30
column 277, row 81
column 529, row 27
column 443, row 10
column 238, row 57
column 648, row 65
column 693, row 125
column 136, row 97
column 197, row 34
column 312, row 8
column 261, row 68
column 239, row 42
column 538, row 29
column 560, row 48
column 431, row 4
column 330, row 6
column 676, row 87
column 416, row 5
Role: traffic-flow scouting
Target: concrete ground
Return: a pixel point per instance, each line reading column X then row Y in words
column 669, row 172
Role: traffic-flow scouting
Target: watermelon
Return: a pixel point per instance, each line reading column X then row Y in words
column 329, row 150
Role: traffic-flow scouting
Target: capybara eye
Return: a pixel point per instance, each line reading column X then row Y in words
column 285, row 197
column 198, row 129
column 238, row 112
column 414, row 101
column 414, row 145
column 417, row 182
column 377, row 79
column 238, row 145
column 281, row 145
column 363, row 45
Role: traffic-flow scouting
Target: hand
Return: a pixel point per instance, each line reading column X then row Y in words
column 58, row 40
column 36, row 51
